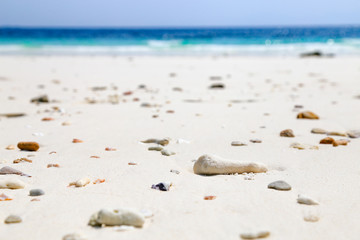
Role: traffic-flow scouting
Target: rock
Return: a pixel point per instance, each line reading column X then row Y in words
column 117, row 217
column 9, row 170
column 40, row 99
column 12, row 184
column 212, row 165
column 175, row 171
column 75, row 140
column 209, row 197
column 22, row 160
column 255, row 140
column 4, row 197
column 287, row 133
column 166, row 152
column 327, row 140
column 36, row 192
column 81, row 182
column 318, row 131
column 354, row 133
column 280, row 185
column 302, row 199
column 255, row 235
column 312, row 54
column 217, row 86
column 238, row 143
column 28, row 146
column 341, row 134
column 304, row 146
column 66, row 123
column 180, row 141
column 73, row 236
column 307, row 115
column 158, row 148
column 45, row 119
column 100, row 88
column 10, row 147
column 162, row 142
column 12, row 115
column 343, row 142
column 163, row 186
column 53, row 165
column 311, row 218
column 13, row 219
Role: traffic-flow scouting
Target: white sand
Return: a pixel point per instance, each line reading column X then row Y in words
column 330, row 175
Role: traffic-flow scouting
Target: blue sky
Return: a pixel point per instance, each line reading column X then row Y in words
column 167, row 13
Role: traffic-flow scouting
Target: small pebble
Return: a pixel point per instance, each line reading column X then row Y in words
column 341, row 134
column 318, row 131
column 311, row 218
column 73, row 236
column 354, row 133
column 327, row 140
column 255, row 140
column 287, row 133
column 132, row 163
column 304, row 146
column 238, row 143
column 97, row 181
column 81, row 182
column 217, row 86
column 13, row 219
column 40, row 99
column 4, row 197
column 117, row 217
column 28, row 146
column 209, row 197
column 53, row 165
column 255, row 235
column 155, row 148
column 47, row 119
column 66, row 123
column 307, row 115
column 162, row 142
column 110, row 149
column 10, row 147
column 302, row 199
column 22, row 160
column 342, row 142
column 75, row 140
column 163, row 186
column 166, row 152
column 175, row 171
column 36, row 192
column 280, row 185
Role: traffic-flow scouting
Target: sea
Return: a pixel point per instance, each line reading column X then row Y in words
column 253, row 41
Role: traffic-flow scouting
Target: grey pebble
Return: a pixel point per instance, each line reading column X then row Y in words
column 36, row 192
column 280, row 185
column 13, row 219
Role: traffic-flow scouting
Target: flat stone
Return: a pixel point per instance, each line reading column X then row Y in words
column 280, row 185
column 12, row 184
column 334, row 133
column 354, row 133
column 9, row 170
column 287, row 133
column 307, row 115
column 36, row 192
column 238, row 143
column 157, row 148
column 13, row 219
column 318, row 131
column 255, row 235
column 302, row 199
column 117, row 217
column 304, row 146
column 166, row 152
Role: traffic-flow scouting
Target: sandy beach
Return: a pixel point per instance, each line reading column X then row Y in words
column 117, row 102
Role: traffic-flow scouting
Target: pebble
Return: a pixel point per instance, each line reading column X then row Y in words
column 255, row 140
column 40, row 99
column 45, row 119
column 73, row 236
column 132, row 163
column 175, row 171
column 13, row 219
column 81, row 182
column 280, row 185
column 307, row 115
column 354, row 133
column 302, row 199
column 238, row 143
column 117, row 217
column 12, row 115
column 287, row 133
column 53, row 165
column 162, row 142
column 163, row 186
column 98, row 181
column 22, row 160
column 10, row 147
column 311, row 218
column 36, row 192
column 75, row 140
column 217, row 86
column 12, row 184
column 166, row 152
column 255, row 235
column 343, row 142
column 9, row 170
column 38, row 134
column 4, row 197
column 209, row 197
column 213, row 165
column 158, row 148
column 341, row 134
column 66, row 123
column 304, row 146
column 318, row 131
column 327, row 140
column 180, row 141
column 28, row 146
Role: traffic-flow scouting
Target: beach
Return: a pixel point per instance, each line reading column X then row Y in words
column 200, row 104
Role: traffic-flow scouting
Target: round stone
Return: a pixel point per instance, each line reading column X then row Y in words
column 280, row 185
column 36, row 192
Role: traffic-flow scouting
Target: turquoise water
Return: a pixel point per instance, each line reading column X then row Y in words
column 343, row 40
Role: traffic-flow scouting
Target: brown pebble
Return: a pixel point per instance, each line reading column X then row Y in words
column 255, row 141
column 110, row 149
column 287, row 133
column 327, row 140
column 75, row 140
column 22, row 160
column 53, row 165
column 52, row 152
column 127, row 93
column 132, row 163
column 209, row 197
column 170, row 111
column 318, row 131
column 28, row 146
column 307, row 115
column 94, row 157
column 34, row 200
column 10, row 147
column 47, row 119
column 342, row 142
